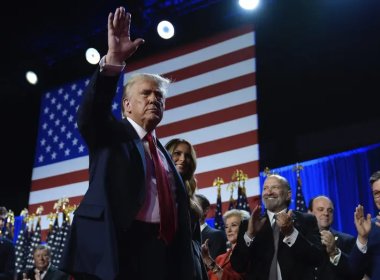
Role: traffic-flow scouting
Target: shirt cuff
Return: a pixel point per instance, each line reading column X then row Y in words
column 362, row 248
column 110, row 69
column 291, row 239
column 248, row 240
column 335, row 259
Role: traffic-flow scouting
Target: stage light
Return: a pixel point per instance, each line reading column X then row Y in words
column 165, row 29
column 31, row 77
column 92, row 56
column 249, row 4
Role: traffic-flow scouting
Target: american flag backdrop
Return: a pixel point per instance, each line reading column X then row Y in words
column 211, row 103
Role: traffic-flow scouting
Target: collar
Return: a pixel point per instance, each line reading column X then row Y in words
column 203, row 226
column 271, row 214
column 141, row 132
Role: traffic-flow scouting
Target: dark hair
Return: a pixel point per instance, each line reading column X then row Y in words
column 374, row 177
column 203, row 201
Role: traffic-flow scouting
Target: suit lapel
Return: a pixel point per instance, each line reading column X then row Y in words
column 136, row 140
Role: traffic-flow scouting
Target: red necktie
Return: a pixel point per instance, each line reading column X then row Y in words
column 165, row 200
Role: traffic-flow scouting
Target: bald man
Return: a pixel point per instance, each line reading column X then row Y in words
column 338, row 244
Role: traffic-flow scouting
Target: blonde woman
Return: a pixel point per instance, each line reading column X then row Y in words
column 220, row 268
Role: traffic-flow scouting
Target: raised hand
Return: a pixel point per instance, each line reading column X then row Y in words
column 362, row 223
column 120, row 45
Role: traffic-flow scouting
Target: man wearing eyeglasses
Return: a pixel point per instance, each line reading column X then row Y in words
column 365, row 256
column 7, row 251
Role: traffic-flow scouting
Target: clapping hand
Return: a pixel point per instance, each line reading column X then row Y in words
column 284, row 221
column 255, row 223
column 328, row 239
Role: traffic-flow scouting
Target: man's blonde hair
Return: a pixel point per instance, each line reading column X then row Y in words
column 162, row 82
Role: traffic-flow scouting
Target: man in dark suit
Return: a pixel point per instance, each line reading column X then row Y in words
column 297, row 249
column 365, row 256
column 43, row 269
column 7, row 251
column 134, row 221
column 217, row 239
column 338, row 244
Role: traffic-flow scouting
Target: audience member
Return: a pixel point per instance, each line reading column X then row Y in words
column 43, row 269
column 134, row 221
column 185, row 161
column 7, row 251
column 365, row 256
column 216, row 238
column 281, row 244
column 220, row 268
column 338, row 244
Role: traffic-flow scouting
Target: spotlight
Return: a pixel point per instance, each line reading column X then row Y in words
column 31, row 77
column 165, row 29
column 249, row 4
column 92, row 56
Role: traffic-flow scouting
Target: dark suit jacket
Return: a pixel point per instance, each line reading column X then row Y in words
column 368, row 263
column 327, row 271
column 116, row 189
column 7, row 259
column 216, row 241
column 52, row 274
column 296, row 262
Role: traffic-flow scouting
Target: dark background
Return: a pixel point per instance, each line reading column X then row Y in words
column 318, row 70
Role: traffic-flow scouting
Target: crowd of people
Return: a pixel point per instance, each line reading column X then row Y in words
column 142, row 218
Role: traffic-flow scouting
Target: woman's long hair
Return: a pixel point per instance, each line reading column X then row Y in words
column 188, row 178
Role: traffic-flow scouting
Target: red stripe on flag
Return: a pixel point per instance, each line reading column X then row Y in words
column 226, row 144
column 212, row 64
column 206, row 179
column 205, row 120
column 60, row 180
column 203, row 43
column 211, row 91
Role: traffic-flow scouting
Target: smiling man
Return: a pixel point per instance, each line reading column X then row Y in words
column 281, row 244
column 338, row 244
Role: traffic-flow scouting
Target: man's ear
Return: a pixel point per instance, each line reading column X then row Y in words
column 126, row 106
